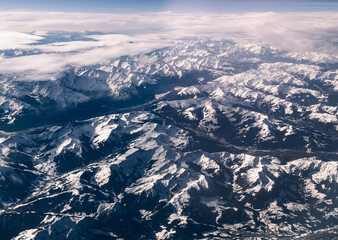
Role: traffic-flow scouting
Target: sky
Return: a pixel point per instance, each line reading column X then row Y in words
column 138, row 6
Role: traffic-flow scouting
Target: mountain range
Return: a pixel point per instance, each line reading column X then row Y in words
column 204, row 139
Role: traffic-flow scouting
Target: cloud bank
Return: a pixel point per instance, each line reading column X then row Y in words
column 47, row 42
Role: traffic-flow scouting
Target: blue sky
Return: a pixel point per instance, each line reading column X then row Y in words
column 128, row 6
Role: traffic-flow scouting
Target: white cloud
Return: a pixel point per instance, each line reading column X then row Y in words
column 136, row 33
column 57, row 56
column 11, row 40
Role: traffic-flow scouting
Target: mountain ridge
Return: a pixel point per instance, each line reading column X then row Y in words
column 204, row 139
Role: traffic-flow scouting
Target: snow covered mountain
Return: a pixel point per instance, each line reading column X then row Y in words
column 205, row 139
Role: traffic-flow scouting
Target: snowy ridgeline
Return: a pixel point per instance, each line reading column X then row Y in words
column 204, row 139
column 250, row 73
column 100, row 175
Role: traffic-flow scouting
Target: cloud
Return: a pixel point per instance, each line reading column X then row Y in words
column 56, row 56
column 11, row 40
column 101, row 37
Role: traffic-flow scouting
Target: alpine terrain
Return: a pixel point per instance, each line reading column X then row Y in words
column 202, row 139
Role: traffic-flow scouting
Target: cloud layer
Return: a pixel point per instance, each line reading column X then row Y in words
column 89, row 38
